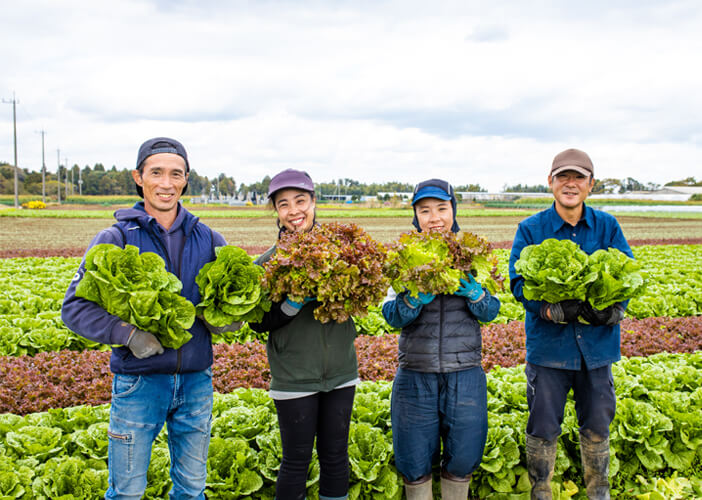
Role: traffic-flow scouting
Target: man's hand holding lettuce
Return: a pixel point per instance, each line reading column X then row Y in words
column 575, row 286
column 230, row 291
column 139, row 290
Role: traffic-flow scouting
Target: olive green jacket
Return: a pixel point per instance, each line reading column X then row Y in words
column 304, row 354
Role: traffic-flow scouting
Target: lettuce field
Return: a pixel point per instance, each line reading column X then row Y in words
column 55, row 385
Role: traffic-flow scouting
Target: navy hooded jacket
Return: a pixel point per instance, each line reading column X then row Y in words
column 185, row 247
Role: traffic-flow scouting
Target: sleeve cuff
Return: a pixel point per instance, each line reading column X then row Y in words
column 480, row 297
column 120, row 333
column 289, row 310
column 407, row 302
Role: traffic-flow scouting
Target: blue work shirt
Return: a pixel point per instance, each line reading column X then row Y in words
column 566, row 345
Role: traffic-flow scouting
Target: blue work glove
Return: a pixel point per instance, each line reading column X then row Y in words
column 470, row 288
column 422, row 299
column 298, row 305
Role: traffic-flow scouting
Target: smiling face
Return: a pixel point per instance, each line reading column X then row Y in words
column 295, row 209
column 570, row 189
column 162, row 177
column 434, row 214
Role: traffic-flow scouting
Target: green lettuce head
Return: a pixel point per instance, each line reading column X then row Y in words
column 138, row 289
column 618, row 278
column 230, row 288
column 554, row 270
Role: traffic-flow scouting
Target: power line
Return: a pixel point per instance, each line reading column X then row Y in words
column 14, row 102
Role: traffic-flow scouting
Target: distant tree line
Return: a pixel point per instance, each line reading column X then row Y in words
column 606, row 186
column 689, row 181
column 98, row 180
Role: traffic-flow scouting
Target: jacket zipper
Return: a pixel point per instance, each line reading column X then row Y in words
column 180, row 266
column 177, row 273
column 326, row 355
column 441, row 333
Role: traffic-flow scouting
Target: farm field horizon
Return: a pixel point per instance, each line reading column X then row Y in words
column 254, row 229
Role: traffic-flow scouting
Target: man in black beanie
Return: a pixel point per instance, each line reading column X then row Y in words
column 154, row 385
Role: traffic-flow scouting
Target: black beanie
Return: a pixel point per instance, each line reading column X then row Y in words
column 161, row 145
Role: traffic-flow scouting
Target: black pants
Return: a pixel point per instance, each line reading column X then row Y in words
column 326, row 415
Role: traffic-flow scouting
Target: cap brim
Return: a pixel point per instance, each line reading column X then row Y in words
column 575, row 168
column 443, row 197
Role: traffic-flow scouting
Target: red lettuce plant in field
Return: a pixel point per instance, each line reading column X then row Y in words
column 30, row 384
column 240, row 365
column 338, row 264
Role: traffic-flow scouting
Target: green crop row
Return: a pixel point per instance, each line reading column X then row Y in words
column 33, row 290
column 656, row 442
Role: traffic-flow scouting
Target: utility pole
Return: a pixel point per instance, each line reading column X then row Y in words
column 65, row 168
column 43, row 167
column 73, row 181
column 58, row 173
column 14, row 126
column 80, row 182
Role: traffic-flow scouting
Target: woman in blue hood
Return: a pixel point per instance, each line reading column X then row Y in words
column 439, row 393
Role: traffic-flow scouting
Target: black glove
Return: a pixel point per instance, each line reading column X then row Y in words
column 143, row 344
column 561, row 312
column 609, row 316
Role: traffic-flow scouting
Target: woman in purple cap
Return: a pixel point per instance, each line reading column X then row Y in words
column 439, row 393
column 313, row 365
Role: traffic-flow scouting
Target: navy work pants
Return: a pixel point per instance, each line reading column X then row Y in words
column 547, row 390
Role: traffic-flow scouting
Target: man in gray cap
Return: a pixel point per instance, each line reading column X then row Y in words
column 153, row 385
column 563, row 353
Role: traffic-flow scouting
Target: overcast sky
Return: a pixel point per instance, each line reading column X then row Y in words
column 470, row 91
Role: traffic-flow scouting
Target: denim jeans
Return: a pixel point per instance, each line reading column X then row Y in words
column 428, row 408
column 547, row 391
column 141, row 404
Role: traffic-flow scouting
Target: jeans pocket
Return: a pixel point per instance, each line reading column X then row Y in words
column 120, row 456
column 124, row 385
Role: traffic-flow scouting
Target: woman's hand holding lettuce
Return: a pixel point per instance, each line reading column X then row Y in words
column 434, row 262
column 338, row 264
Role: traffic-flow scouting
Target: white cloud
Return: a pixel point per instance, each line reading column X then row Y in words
column 374, row 91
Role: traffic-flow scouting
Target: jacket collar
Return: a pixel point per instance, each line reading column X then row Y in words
column 587, row 217
column 137, row 214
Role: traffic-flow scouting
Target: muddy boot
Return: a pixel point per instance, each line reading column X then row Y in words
column 454, row 488
column 419, row 490
column 594, row 453
column 541, row 458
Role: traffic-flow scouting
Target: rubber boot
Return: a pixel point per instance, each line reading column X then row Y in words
column 454, row 489
column 541, row 458
column 594, row 453
column 419, row 490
